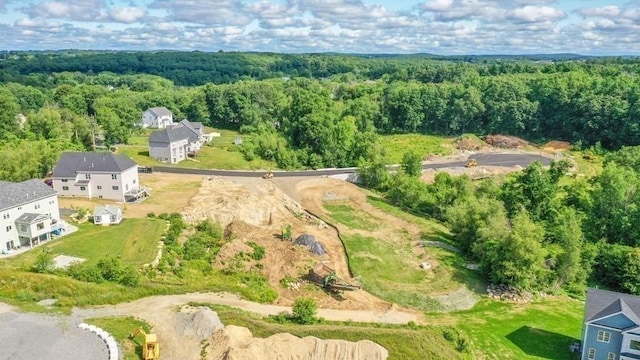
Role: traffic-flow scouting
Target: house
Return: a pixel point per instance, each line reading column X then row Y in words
column 611, row 326
column 29, row 214
column 101, row 175
column 177, row 142
column 157, row 117
column 107, row 215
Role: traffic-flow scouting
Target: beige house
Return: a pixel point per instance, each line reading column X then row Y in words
column 101, row 175
column 107, row 215
column 157, row 118
column 29, row 214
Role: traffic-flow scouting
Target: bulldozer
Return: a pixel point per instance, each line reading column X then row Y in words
column 286, row 232
column 471, row 163
column 150, row 348
column 268, row 175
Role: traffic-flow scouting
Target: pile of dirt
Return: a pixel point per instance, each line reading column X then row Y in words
column 505, row 142
column 238, row 228
column 231, row 256
column 237, row 343
column 553, row 146
column 199, row 322
column 468, row 143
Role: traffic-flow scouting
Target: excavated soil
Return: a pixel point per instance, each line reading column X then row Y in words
column 237, row 343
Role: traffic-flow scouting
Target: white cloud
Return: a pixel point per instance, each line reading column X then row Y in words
column 219, row 12
column 84, row 10
column 530, row 14
column 126, row 14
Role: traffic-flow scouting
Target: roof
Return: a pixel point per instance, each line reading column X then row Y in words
column 14, row 194
column 31, row 218
column 71, row 163
column 108, row 209
column 602, row 303
column 160, row 111
column 193, row 126
column 172, row 134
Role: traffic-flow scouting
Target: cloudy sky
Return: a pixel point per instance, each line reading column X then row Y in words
column 592, row 27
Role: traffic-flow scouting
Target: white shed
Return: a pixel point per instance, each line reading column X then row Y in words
column 107, row 215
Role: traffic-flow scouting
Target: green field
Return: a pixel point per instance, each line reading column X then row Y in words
column 350, row 217
column 396, row 145
column 539, row 330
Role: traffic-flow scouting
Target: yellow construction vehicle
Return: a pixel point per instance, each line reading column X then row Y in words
column 286, row 232
column 150, row 348
column 471, row 163
column 268, row 175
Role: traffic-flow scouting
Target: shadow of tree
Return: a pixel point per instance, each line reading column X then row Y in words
column 143, row 153
column 542, row 343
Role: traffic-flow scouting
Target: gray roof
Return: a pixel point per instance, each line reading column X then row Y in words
column 601, row 303
column 196, row 127
column 108, row 209
column 172, row 134
column 160, row 111
column 14, row 194
column 31, row 218
column 71, row 163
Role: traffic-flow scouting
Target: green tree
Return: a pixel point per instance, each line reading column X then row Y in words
column 304, row 311
column 412, row 163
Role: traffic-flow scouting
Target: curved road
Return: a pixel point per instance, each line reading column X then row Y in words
column 485, row 159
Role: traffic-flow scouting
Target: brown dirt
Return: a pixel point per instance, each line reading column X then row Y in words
column 556, row 146
column 505, row 142
column 470, row 144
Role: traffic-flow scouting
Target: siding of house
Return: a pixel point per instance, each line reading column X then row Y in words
column 173, row 152
column 602, row 348
column 101, row 185
column 8, row 228
column 149, row 119
column 616, row 321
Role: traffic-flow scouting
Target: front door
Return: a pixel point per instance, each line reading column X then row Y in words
column 9, row 245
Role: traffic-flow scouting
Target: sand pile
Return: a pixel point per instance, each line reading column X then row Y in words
column 199, row 322
column 237, row 343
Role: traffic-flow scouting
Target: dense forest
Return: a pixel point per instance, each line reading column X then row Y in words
column 533, row 231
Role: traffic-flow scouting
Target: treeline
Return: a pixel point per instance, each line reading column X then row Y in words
column 533, row 231
column 307, row 122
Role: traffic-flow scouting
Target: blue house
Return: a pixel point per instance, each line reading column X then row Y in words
column 611, row 326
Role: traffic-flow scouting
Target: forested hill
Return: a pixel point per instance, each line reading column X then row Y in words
column 198, row 68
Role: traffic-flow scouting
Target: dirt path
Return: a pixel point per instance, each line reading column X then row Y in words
column 163, row 313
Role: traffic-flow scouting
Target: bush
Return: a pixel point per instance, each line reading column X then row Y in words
column 258, row 251
column 304, row 311
column 44, row 262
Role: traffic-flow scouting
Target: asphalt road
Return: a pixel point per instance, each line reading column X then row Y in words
column 486, row 159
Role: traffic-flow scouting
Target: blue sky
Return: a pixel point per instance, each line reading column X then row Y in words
column 447, row 27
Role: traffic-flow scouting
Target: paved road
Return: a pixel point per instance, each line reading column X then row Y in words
column 486, row 159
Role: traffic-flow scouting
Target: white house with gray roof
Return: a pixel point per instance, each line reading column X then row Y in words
column 101, row 175
column 157, row 118
column 107, row 215
column 177, row 142
column 29, row 214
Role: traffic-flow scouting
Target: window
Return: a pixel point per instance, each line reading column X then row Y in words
column 87, row 176
column 126, row 187
column 40, row 226
column 592, row 354
column 19, row 207
column 134, row 181
column 114, row 187
column 604, row 336
column 114, row 176
column 611, row 356
column 65, row 180
column 65, row 188
column 5, row 215
column 99, row 187
column 23, row 228
column 8, row 228
column 36, row 206
column 83, row 188
column 634, row 345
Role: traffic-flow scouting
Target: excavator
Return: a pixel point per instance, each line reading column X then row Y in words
column 471, row 163
column 268, row 175
column 150, row 348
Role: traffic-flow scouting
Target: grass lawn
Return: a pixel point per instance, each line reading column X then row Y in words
column 397, row 145
column 135, row 241
column 350, row 217
column 402, row 342
column 539, row 330
column 120, row 328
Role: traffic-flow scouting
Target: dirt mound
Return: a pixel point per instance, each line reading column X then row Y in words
column 468, row 143
column 238, row 228
column 557, row 146
column 199, row 322
column 231, row 255
column 237, row 343
column 505, row 142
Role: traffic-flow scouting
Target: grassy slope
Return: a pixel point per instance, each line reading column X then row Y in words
column 396, row 145
column 401, row 342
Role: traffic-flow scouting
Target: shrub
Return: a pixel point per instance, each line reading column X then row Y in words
column 44, row 262
column 304, row 311
column 258, row 251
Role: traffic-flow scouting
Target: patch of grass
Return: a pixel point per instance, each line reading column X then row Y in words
column 351, row 217
column 539, row 330
column 397, row 145
column 120, row 328
column 402, row 342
